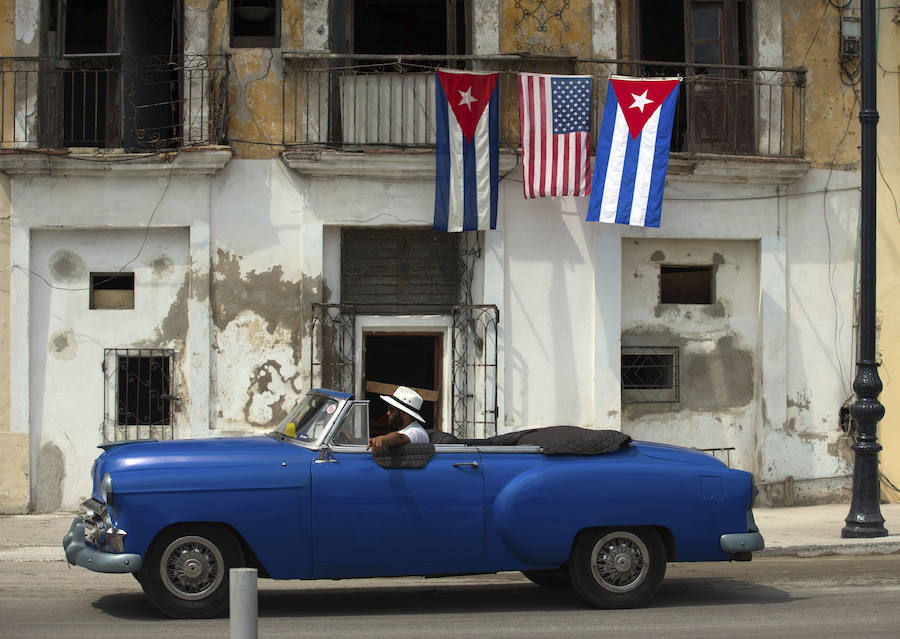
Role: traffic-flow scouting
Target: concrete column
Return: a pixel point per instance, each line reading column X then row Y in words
column 603, row 34
column 19, row 341
column 494, row 287
column 486, row 27
column 199, row 322
column 14, row 457
column 312, row 264
column 773, row 348
column 607, row 332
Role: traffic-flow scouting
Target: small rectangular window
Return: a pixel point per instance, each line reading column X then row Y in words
column 256, row 23
column 138, row 394
column 112, row 291
column 650, row 374
column 686, row 285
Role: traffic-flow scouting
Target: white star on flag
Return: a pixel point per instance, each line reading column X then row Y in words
column 466, row 98
column 640, row 101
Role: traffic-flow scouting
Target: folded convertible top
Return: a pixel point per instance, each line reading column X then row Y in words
column 555, row 440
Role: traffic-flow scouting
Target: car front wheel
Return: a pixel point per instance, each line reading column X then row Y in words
column 185, row 572
column 617, row 568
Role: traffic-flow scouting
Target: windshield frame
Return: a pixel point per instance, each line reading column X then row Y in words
column 331, row 407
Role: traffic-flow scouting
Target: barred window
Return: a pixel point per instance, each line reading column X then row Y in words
column 650, row 374
column 138, row 394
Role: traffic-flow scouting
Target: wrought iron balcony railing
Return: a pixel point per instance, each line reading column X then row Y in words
column 109, row 101
column 383, row 100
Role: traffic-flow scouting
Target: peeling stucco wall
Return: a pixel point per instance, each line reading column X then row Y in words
column 256, row 74
column 717, row 343
column 811, row 40
column 257, row 314
column 256, row 297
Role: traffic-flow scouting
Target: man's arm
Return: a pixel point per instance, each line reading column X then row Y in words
column 391, row 439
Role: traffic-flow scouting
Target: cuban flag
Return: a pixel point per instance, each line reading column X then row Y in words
column 467, row 107
column 633, row 151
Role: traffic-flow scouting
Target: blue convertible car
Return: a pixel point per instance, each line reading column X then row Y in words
column 591, row 507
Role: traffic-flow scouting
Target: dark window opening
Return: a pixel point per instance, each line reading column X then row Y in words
column 686, row 285
column 86, row 27
column 256, row 23
column 112, row 291
column 650, row 374
column 402, row 359
column 409, row 26
column 112, row 77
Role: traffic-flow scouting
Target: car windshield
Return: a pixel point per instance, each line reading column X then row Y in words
column 308, row 420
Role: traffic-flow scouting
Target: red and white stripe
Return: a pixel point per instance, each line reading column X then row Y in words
column 552, row 165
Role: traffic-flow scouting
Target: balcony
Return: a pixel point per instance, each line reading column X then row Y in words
column 109, row 102
column 363, row 102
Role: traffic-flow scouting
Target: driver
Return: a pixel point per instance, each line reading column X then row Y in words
column 403, row 418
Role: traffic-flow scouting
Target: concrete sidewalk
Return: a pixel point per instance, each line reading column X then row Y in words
column 802, row 531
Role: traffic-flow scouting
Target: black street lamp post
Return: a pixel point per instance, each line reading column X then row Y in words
column 864, row 519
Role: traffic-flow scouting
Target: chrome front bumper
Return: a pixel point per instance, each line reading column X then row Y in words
column 78, row 553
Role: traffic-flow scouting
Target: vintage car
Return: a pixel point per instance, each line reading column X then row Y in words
column 308, row 501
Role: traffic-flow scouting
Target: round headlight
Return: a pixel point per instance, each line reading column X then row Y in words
column 106, row 491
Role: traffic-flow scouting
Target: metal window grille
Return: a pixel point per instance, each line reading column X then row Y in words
column 138, row 394
column 650, row 374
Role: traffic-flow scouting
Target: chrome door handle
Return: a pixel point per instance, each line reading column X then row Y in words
column 473, row 464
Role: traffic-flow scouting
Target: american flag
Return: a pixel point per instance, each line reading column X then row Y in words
column 555, row 113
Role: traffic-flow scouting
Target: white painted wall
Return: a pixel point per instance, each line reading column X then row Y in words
column 68, row 341
column 565, row 288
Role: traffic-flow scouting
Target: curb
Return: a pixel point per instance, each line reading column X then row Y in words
column 824, row 550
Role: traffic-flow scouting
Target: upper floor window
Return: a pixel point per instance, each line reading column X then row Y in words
column 111, row 78
column 400, row 26
column 256, row 23
column 699, row 38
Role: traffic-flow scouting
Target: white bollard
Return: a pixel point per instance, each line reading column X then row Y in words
column 243, row 600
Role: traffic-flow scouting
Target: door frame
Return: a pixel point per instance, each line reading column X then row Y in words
column 406, row 325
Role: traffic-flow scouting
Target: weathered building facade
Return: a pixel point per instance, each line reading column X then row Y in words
column 235, row 205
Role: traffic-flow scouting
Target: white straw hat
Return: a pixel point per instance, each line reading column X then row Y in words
column 407, row 400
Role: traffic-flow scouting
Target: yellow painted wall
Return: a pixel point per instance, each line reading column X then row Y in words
column 811, row 40
column 888, row 254
column 532, row 26
column 255, row 81
column 14, row 466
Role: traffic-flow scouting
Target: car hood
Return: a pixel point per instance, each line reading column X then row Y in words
column 189, row 457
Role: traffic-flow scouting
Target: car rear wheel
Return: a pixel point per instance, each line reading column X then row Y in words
column 617, row 568
column 185, row 572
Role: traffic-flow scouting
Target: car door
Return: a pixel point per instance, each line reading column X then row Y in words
column 368, row 520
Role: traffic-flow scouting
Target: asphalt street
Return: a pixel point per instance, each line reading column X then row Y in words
column 828, row 596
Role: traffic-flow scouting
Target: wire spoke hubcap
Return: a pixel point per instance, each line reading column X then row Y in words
column 192, row 567
column 619, row 561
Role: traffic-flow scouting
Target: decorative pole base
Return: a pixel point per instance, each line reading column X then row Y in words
column 865, row 518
